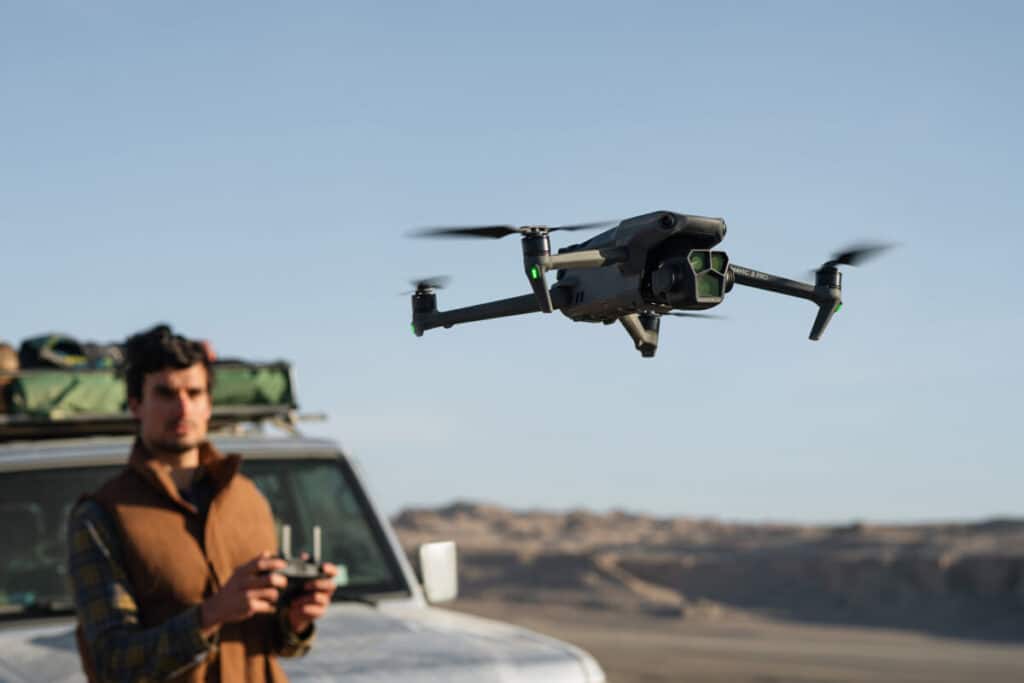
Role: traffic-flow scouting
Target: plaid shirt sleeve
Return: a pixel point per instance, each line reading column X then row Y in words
column 120, row 649
column 290, row 643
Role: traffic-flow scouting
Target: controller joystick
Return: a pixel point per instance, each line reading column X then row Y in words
column 299, row 571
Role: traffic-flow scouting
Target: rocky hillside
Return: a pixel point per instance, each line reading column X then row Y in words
column 958, row 579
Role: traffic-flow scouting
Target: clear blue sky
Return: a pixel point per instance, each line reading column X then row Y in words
column 247, row 171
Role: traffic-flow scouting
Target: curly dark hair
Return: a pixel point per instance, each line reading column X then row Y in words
column 158, row 349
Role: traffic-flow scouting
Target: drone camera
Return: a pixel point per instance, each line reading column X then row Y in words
column 698, row 278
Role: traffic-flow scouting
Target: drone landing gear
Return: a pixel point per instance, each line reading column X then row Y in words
column 643, row 328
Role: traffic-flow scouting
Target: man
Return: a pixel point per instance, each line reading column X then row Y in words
column 172, row 561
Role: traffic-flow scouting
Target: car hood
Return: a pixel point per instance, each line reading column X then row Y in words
column 358, row 644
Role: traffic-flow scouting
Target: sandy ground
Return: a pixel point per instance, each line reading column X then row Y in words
column 739, row 647
column 681, row 599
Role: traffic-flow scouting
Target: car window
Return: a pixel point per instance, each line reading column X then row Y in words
column 34, row 506
column 307, row 493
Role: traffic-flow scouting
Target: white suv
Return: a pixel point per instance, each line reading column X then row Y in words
column 380, row 628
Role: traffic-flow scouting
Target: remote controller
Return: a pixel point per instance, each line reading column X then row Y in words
column 299, row 571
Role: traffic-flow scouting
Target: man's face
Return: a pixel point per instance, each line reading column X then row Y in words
column 174, row 410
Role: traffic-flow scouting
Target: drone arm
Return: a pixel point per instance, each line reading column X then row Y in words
column 826, row 293
column 772, row 283
column 825, row 312
column 586, row 258
column 502, row 308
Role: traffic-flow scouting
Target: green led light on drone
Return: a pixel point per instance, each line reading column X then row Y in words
column 838, row 306
column 412, row 326
column 534, row 273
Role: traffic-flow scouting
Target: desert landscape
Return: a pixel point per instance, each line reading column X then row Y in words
column 681, row 599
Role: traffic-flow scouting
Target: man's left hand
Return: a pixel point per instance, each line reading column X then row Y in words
column 312, row 604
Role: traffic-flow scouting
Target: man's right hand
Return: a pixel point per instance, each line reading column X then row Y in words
column 252, row 589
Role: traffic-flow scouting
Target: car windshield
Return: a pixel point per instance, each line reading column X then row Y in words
column 34, row 507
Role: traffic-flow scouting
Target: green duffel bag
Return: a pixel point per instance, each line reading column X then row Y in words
column 251, row 385
column 57, row 394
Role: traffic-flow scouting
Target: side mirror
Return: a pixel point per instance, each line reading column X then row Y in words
column 439, row 567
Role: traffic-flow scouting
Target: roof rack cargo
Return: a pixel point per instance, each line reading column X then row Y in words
column 57, row 403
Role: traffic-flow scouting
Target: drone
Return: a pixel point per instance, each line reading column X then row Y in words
column 635, row 272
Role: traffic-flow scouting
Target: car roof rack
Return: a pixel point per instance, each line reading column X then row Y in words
column 244, row 393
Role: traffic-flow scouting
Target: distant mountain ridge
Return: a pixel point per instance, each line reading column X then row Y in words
column 962, row 579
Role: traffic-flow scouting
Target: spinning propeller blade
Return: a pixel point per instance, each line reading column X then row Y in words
column 492, row 231
column 706, row 316
column 854, row 255
column 499, row 231
column 428, row 284
column 857, row 254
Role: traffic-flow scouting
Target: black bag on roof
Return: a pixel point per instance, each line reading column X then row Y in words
column 62, row 351
column 51, row 351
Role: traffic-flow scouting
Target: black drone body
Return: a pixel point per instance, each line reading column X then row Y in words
column 642, row 268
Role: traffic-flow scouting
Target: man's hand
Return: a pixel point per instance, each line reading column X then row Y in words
column 252, row 589
column 313, row 603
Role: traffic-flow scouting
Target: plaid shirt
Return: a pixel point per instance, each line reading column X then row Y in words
column 121, row 649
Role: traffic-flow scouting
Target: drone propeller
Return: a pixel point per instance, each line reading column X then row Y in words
column 706, row 316
column 428, row 284
column 855, row 255
column 498, row 231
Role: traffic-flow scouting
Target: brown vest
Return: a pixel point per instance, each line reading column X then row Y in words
column 172, row 564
